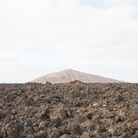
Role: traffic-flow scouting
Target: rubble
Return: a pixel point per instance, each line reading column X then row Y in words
column 71, row 110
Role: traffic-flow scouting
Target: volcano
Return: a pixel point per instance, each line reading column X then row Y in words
column 69, row 75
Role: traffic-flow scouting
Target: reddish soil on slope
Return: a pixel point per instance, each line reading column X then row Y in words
column 69, row 110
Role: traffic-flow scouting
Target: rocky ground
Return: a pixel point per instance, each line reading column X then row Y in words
column 72, row 110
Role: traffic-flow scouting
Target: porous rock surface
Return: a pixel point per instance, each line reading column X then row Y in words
column 71, row 110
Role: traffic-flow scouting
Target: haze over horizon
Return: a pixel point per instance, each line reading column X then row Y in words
column 93, row 36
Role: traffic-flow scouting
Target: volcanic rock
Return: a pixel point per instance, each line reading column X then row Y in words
column 69, row 110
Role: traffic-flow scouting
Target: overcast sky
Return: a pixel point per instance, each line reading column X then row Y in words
column 43, row 36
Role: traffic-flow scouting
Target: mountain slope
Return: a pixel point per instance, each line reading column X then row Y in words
column 71, row 75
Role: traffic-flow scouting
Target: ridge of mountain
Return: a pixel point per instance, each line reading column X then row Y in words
column 69, row 75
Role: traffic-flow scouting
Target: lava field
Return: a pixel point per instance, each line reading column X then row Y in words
column 71, row 110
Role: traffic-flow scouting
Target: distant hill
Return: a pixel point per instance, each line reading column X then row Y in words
column 71, row 75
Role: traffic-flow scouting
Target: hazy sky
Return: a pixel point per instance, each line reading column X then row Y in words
column 94, row 36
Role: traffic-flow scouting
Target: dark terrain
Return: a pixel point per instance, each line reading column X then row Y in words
column 72, row 110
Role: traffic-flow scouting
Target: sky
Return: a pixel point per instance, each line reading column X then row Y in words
column 38, row 37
